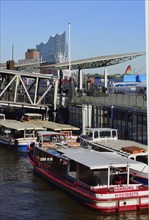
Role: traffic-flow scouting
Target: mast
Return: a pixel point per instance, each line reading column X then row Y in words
column 12, row 52
column 147, row 73
column 69, row 49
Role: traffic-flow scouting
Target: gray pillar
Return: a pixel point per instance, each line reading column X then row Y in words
column 80, row 76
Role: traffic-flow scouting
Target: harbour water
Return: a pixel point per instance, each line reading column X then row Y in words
column 25, row 195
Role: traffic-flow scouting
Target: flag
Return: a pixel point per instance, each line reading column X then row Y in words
column 128, row 69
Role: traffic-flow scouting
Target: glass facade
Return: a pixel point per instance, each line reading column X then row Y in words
column 55, row 50
column 131, row 123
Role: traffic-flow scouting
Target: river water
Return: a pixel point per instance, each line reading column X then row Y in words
column 24, row 195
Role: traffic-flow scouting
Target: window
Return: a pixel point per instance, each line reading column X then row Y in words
column 96, row 134
column 142, row 158
column 104, row 134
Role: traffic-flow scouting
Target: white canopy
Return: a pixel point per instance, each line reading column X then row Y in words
column 98, row 160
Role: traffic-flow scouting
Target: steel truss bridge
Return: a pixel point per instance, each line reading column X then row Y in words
column 41, row 92
column 29, row 90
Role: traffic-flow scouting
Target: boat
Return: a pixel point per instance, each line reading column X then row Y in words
column 15, row 134
column 69, row 130
column 106, row 139
column 99, row 180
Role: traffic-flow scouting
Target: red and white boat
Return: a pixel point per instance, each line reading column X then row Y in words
column 100, row 180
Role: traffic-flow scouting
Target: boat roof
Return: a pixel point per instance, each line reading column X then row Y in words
column 17, row 125
column 45, row 133
column 117, row 145
column 98, row 160
column 32, row 114
column 56, row 126
column 101, row 129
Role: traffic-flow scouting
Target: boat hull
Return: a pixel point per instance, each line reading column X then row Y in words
column 24, row 143
column 23, row 147
column 7, row 143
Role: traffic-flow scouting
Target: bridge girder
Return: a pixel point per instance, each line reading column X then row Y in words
column 95, row 62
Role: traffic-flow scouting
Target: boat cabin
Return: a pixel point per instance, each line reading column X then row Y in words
column 88, row 167
column 31, row 117
column 50, row 139
column 100, row 134
column 141, row 157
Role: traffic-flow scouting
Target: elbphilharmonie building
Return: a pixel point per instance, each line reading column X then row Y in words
column 55, row 50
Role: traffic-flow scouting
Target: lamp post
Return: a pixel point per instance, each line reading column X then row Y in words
column 69, row 49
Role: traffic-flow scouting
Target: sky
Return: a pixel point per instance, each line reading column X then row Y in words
column 97, row 28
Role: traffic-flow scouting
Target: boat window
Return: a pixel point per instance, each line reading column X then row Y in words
column 93, row 177
column 89, row 134
column 96, row 134
column 84, row 174
column 18, row 134
column 132, row 158
column 29, row 133
column 104, row 134
column 47, row 138
column 54, row 138
column 103, row 176
column 35, row 117
column 114, row 134
column 2, row 116
column 142, row 158
column 72, row 169
column 64, row 166
column 100, row 149
column 72, row 166
column 118, row 176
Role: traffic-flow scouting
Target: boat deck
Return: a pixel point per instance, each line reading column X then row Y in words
column 123, row 146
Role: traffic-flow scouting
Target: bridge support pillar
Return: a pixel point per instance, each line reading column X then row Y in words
column 80, row 75
column 105, row 77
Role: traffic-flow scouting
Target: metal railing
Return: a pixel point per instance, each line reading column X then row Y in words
column 126, row 100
